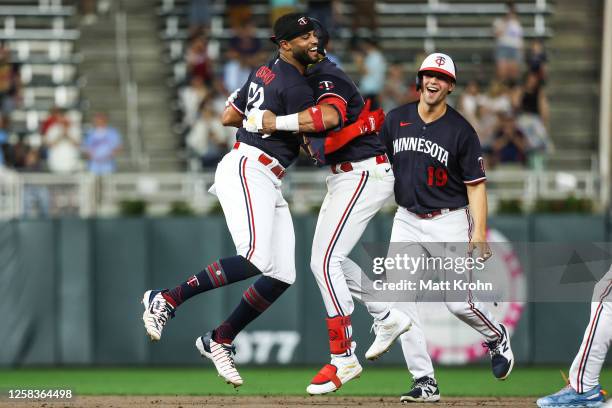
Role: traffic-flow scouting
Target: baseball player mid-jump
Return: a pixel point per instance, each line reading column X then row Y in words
column 248, row 185
column 360, row 182
column 584, row 389
column 440, row 190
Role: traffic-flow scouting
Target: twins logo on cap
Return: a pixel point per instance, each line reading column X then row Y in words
column 440, row 60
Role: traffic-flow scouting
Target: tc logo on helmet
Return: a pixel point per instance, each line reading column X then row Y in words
column 303, row 21
column 440, row 60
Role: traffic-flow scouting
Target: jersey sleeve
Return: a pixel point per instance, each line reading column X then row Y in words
column 335, row 92
column 386, row 136
column 240, row 102
column 470, row 158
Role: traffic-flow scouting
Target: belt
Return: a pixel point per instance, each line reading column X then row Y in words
column 435, row 213
column 349, row 166
column 278, row 170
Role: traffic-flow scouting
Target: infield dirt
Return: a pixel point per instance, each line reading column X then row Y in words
column 260, row 402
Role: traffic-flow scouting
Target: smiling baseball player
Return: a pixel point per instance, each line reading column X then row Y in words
column 360, row 182
column 248, row 185
column 440, row 190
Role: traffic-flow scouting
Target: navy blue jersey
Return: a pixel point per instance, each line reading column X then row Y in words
column 432, row 162
column 278, row 87
column 329, row 81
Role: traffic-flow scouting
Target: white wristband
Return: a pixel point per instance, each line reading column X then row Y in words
column 289, row 123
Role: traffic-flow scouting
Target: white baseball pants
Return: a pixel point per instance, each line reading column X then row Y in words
column 454, row 226
column 256, row 213
column 584, row 373
column 352, row 200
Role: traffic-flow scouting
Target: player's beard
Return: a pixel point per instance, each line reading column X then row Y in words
column 301, row 55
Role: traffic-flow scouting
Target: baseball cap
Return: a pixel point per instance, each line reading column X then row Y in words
column 439, row 62
column 290, row 26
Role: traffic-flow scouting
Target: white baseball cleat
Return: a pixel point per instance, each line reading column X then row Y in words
column 333, row 376
column 157, row 312
column 221, row 356
column 387, row 331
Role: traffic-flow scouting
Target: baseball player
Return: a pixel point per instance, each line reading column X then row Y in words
column 584, row 389
column 440, row 190
column 248, row 185
column 361, row 181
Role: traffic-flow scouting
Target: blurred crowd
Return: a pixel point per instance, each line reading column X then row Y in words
column 509, row 110
column 60, row 146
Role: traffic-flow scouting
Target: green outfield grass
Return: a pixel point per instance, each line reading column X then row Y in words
column 471, row 381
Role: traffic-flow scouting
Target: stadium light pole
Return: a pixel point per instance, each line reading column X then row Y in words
column 605, row 107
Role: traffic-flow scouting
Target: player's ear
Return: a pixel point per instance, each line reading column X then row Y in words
column 284, row 45
column 451, row 88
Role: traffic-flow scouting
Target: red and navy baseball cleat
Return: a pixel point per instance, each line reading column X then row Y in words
column 222, row 357
column 387, row 331
column 502, row 358
column 157, row 312
column 424, row 389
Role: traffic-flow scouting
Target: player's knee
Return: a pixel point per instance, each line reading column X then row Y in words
column 456, row 308
column 316, row 264
column 262, row 261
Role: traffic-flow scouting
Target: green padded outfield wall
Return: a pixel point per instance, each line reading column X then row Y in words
column 71, row 289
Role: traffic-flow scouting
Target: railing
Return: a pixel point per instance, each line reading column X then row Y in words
column 31, row 194
column 129, row 88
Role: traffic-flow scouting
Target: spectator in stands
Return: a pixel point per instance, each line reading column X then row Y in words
column 10, row 81
column 372, row 66
column 55, row 114
column 327, row 12
column 101, row 146
column 509, row 145
column 62, row 144
column 509, row 45
column 4, row 139
column 396, row 91
column 469, row 102
column 244, row 53
column 198, row 61
column 537, row 59
column 498, row 98
column 207, row 138
column 363, row 20
column 199, row 14
column 531, row 103
column 487, row 123
column 239, row 12
column 88, row 11
column 190, row 98
column 36, row 198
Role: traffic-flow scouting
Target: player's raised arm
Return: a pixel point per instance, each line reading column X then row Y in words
column 315, row 119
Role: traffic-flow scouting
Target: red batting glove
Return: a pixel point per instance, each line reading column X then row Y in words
column 368, row 122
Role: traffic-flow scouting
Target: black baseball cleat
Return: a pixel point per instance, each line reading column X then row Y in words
column 502, row 358
column 424, row 389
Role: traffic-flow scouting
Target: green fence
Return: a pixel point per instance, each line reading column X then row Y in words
column 71, row 291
